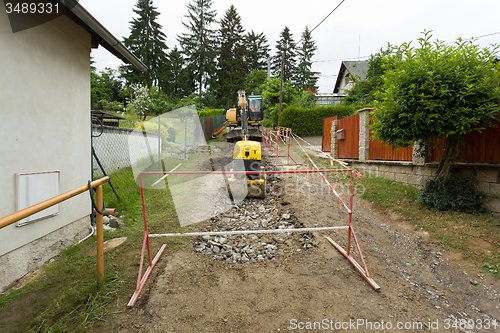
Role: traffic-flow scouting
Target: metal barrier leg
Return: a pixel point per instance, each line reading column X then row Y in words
column 141, row 279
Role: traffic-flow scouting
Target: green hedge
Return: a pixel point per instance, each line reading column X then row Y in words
column 305, row 122
column 210, row 112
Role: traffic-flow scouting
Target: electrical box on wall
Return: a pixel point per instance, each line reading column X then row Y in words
column 35, row 187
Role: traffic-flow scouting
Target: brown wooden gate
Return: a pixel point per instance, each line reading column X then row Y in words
column 349, row 147
column 326, row 144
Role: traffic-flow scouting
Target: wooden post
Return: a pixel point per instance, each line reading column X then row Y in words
column 100, row 238
column 281, row 84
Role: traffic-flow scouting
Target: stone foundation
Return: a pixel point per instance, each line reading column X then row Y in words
column 32, row 256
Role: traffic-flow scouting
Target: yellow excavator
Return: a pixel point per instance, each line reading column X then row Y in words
column 244, row 128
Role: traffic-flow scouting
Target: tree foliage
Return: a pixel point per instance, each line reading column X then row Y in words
column 258, row 51
column 435, row 91
column 307, row 121
column 147, row 42
column 142, row 101
column 287, row 45
column 105, row 90
column 199, row 44
column 271, row 92
column 254, row 81
column 305, row 78
column 232, row 62
column 213, row 61
column 179, row 81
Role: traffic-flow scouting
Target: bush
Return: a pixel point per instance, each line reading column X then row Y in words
column 458, row 194
column 150, row 126
column 305, row 122
column 210, row 112
column 171, row 134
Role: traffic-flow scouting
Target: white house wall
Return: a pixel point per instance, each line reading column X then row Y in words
column 45, row 119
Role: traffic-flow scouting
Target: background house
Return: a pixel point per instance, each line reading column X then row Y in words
column 46, row 134
column 348, row 70
column 326, row 99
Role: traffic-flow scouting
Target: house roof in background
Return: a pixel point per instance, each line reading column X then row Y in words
column 100, row 35
column 358, row 68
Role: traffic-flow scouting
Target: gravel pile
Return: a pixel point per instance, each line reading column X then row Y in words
column 256, row 214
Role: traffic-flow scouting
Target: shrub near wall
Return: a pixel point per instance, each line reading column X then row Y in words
column 210, row 112
column 304, row 122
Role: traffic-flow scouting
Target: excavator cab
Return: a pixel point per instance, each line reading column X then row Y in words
column 256, row 108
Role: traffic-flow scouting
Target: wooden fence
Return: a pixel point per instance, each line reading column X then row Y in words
column 326, row 144
column 381, row 151
column 349, row 147
column 481, row 147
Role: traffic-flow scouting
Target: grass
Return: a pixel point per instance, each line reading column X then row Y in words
column 67, row 297
column 474, row 237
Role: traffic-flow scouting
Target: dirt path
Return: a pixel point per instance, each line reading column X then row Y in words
column 303, row 283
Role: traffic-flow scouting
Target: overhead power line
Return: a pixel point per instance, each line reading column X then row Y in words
column 365, row 57
column 356, row 58
column 334, row 9
column 473, row 38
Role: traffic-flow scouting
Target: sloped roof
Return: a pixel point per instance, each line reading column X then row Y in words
column 358, row 68
column 100, row 35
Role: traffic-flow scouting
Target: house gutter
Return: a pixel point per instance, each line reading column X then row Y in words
column 93, row 24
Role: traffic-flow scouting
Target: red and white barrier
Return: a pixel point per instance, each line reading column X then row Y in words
column 267, row 139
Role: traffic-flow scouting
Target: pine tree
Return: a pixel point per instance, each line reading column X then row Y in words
column 147, row 42
column 178, row 81
column 199, row 44
column 258, row 51
column 232, row 64
column 305, row 78
column 285, row 44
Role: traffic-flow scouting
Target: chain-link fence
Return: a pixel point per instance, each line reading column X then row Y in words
column 154, row 145
column 114, row 148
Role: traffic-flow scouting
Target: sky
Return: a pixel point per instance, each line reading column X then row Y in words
column 354, row 31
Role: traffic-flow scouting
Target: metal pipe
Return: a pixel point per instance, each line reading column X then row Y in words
column 246, row 232
column 19, row 215
column 142, row 280
column 108, row 211
column 355, row 264
column 166, row 175
column 88, row 236
column 242, row 172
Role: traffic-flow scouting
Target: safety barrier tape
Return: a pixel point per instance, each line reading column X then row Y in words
column 329, row 156
column 323, row 176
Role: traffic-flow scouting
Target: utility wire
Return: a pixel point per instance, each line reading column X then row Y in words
column 365, row 57
column 473, row 38
column 323, row 20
